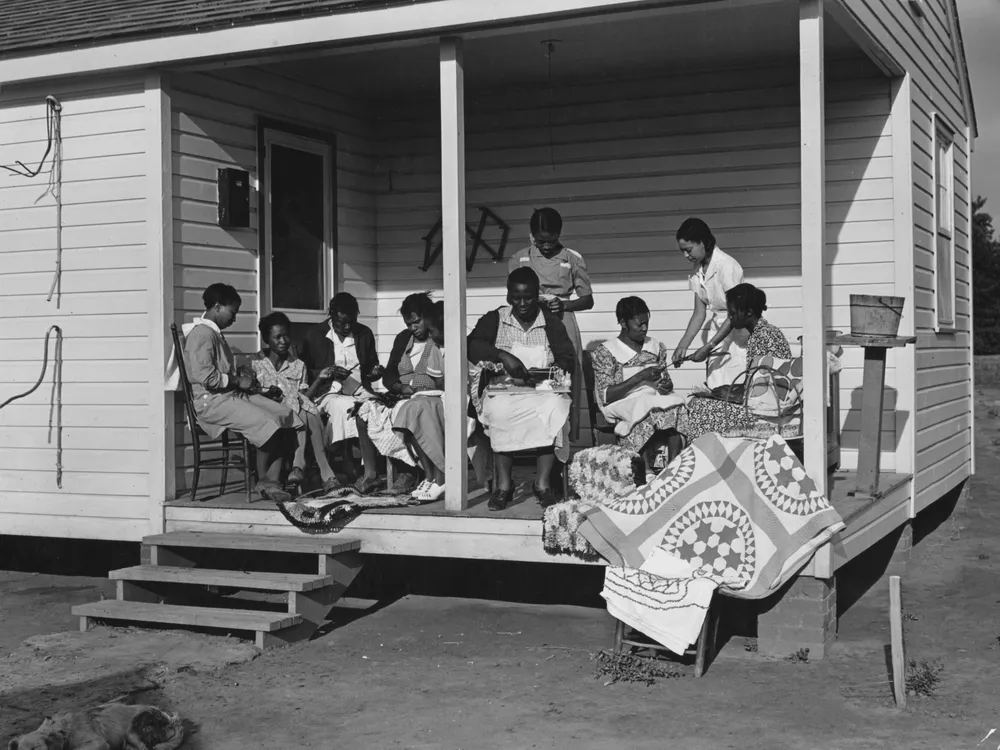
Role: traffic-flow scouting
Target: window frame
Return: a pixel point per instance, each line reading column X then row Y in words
column 943, row 234
column 272, row 132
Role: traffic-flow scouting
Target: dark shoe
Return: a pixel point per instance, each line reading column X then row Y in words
column 332, row 485
column 272, row 492
column 405, row 484
column 545, row 497
column 500, row 499
column 367, row 484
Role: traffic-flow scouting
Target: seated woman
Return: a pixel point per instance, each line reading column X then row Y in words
column 224, row 399
column 419, row 420
column 342, row 362
column 518, row 336
column 634, row 390
column 414, row 362
column 275, row 366
column 746, row 305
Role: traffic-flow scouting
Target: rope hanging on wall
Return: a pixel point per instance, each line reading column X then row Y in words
column 55, row 399
column 53, row 127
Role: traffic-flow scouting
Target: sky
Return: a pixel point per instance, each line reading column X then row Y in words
column 980, row 21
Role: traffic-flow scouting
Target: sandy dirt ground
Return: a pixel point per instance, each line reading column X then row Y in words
column 436, row 672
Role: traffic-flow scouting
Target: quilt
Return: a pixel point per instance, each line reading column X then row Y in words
column 736, row 515
column 743, row 511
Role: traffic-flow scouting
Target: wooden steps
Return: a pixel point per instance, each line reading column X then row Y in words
column 239, row 579
column 148, row 593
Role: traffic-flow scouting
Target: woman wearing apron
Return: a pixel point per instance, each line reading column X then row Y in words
column 715, row 273
column 561, row 272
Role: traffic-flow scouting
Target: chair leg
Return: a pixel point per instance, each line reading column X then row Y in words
column 619, row 645
column 706, row 640
column 197, row 469
column 565, row 480
column 246, row 469
column 225, row 463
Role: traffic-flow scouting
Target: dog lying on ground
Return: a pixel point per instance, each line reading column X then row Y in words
column 112, row 727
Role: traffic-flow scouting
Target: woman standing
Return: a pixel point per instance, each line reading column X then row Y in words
column 561, row 272
column 715, row 273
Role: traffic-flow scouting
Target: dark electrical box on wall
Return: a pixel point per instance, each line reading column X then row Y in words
column 234, row 199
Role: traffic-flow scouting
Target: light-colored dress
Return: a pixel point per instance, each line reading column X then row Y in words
column 561, row 276
column 290, row 376
column 335, row 404
column 210, row 366
column 522, row 421
column 643, row 411
column 710, row 286
column 420, row 365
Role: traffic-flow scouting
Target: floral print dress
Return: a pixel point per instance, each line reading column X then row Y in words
column 711, row 415
column 614, row 363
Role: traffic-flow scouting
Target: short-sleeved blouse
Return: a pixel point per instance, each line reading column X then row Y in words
column 711, row 284
column 290, row 376
column 561, row 275
column 767, row 340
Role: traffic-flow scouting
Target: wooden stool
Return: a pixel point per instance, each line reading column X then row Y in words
column 703, row 649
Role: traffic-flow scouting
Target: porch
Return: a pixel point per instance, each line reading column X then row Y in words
column 627, row 122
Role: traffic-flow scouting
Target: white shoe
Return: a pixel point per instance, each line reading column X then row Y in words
column 421, row 492
column 434, row 492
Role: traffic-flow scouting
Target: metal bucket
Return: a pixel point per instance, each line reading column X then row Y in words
column 875, row 316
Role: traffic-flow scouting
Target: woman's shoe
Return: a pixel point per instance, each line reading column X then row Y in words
column 500, row 499
column 332, row 485
column 271, row 491
column 366, row 484
column 296, row 476
column 420, row 493
column 545, row 497
column 434, row 492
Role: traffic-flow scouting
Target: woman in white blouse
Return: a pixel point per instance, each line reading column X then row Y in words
column 715, row 273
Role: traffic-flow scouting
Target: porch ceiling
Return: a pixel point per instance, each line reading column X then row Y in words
column 606, row 47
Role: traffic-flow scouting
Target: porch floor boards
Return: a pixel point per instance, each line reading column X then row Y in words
column 525, row 507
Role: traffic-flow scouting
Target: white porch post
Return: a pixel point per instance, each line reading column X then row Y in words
column 811, row 96
column 456, row 368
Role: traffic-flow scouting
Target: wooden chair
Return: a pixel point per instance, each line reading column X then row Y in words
column 704, row 649
column 598, row 424
column 237, row 456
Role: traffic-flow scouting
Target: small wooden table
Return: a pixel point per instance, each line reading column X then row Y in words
column 872, row 397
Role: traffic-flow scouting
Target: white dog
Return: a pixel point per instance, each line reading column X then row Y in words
column 113, row 727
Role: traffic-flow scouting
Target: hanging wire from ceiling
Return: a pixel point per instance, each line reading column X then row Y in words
column 550, row 47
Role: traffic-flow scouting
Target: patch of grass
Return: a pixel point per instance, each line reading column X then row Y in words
column 799, row 657
column 911, row 617
column 629, row 668
column 984, row 556
column 993, row 412
column 750, row 646
column 922, row 677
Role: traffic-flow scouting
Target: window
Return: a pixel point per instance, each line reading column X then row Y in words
column 944, row 224
column 297, row 265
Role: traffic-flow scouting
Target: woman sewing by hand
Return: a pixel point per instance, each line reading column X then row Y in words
column 715, row 273
column 633, row 388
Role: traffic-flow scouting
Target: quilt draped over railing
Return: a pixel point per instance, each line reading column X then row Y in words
column 740, row 515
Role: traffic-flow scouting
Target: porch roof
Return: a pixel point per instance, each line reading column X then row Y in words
column 27, row 26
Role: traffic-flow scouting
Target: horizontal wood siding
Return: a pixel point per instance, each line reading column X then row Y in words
column 102, row 312
column 625, row 163
column 943, row 361
column 215, row 118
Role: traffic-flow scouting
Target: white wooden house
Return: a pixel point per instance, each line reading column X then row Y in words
column 826, row 142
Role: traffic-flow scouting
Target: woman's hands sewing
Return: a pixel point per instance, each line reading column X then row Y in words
column 513, row 366
column 377, row 372
column 653, row 375
column 680, row 354
column 556, row 306
column 334, row 372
